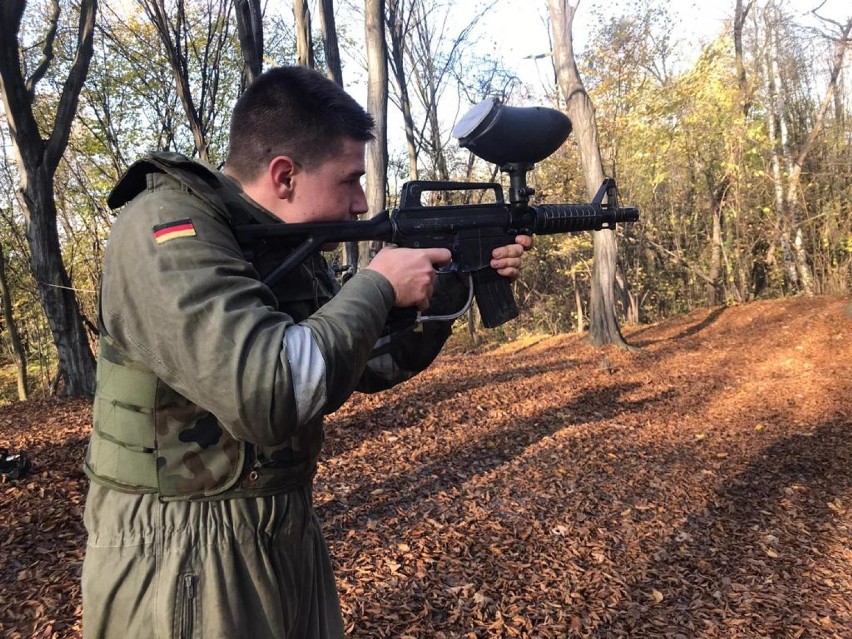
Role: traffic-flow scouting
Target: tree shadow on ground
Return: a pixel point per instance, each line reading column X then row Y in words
column 400, row 407
column 740, row 566
column 690, row 331
column 476, row 456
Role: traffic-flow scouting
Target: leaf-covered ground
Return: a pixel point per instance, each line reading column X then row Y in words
column 699, row 488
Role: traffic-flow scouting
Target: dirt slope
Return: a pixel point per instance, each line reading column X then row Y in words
column 701, row 487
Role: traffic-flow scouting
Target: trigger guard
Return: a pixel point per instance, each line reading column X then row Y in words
column 452, row 316
column 452, row 267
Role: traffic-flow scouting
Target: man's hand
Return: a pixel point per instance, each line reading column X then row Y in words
column 506, row 260
column 411, row 272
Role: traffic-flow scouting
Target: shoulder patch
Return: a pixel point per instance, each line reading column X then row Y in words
column 172, row 230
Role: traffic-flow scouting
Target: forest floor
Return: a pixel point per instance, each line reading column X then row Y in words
column 700, row 487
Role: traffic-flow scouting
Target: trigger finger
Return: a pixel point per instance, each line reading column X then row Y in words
column 506, row 262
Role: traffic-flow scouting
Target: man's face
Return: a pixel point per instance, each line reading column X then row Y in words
column 331, row 191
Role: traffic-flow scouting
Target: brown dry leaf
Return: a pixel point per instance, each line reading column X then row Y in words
column 541, row 497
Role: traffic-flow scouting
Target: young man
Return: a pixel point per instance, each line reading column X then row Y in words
column 212, row 387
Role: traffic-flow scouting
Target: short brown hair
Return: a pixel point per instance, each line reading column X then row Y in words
column 292, row 111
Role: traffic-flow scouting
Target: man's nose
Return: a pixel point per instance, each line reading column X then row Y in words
column 359, row 204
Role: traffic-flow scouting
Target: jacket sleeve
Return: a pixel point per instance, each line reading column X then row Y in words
column 179, row 297
column 400, row 355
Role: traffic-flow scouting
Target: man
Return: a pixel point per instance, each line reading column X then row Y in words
column 212, row 387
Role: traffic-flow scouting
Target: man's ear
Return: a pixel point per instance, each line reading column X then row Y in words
column 280, row 172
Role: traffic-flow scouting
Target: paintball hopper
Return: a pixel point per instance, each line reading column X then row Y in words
column 511, row 135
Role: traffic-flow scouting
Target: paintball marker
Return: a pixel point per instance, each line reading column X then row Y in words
column 514, row 138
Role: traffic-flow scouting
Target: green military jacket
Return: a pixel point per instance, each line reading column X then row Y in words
column 210, row 384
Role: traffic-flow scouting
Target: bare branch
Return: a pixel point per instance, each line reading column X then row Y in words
column 70, row 97
column 47, row 51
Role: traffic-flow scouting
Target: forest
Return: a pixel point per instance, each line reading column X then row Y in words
column 737, row 154
column 657, row 447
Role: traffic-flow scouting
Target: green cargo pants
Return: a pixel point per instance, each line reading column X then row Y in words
column 227, row 569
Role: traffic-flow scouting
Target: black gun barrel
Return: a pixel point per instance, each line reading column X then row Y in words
column 377, row 228
column 570, row 218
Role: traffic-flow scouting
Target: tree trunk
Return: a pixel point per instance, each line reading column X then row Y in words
column 76, row 365
column 175, row 30
column 16, row 346
column 774, row 121
column 304, row 43
column 716, row 291
column 740, row 14
column 377, row 105
column 329, row 41
column 603, row 324
column 471, row 326
column 334, row 71
column 792, row 196
column 158, row 14
column 578, row 302
column 37, row 160
column 250, row 32
column 398, row 30
column 629, row 299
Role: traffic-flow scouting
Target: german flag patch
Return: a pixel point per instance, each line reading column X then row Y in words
column 173, row 230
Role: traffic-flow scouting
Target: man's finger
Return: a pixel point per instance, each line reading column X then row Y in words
column 508, row 251
column 524, row 240
column 439, row 256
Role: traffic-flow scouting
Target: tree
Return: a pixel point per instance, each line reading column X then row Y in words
column 792, row 198
column 603, row 324
column 16, row 346
column 304, row 41
column 434, row 51
column 191, row 39
column 398, row 27
column 334, row 70
column 37, row 160
column 377, row 106
column 250, row 32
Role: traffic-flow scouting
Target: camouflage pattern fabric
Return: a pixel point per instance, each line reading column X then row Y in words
column 186, row 307
column 199, row 514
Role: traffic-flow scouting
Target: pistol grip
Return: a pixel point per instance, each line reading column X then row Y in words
column 494, row 297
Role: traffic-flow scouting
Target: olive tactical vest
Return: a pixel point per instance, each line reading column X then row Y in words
column 146, row 437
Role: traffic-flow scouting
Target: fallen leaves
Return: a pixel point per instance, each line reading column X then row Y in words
column 41, row 528
column 698, row 489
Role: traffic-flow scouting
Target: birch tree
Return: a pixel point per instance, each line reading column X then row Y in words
column 788, row 159
column 603, row 324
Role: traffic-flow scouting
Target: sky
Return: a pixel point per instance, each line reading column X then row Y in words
column 517, row 31
column 521, row 27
